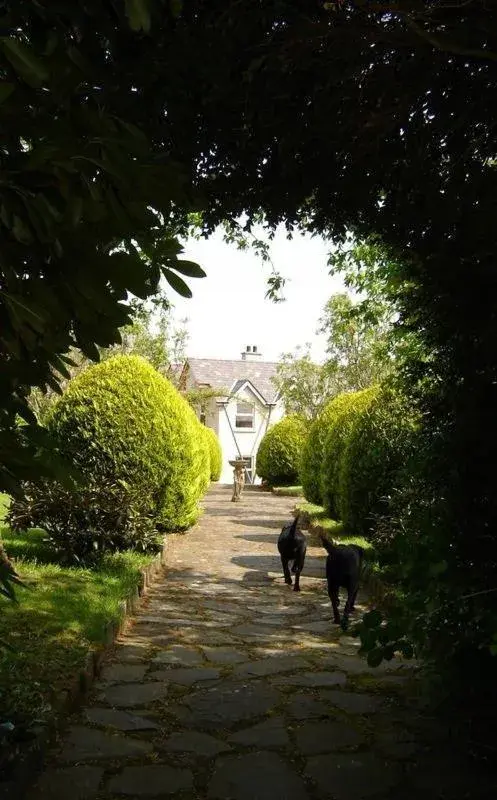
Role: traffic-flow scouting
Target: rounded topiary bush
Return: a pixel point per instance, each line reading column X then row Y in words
column 312, row 455
column 279, row 454
column 341, row 415
column 121, row 420
column 378, row 450
column 215, row 454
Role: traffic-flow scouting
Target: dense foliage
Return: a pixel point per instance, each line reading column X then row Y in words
column 377, row 452
column 279, row 453
column 140, row 449
column 304, row 387
column 342, row 415
column 215, row 454
column 357, row 352
column 312, row 455
column 85, row 198
column 84, row 523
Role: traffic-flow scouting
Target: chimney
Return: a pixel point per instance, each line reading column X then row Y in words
column 251, row 353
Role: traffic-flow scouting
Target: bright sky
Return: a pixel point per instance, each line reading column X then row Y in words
column 229, row 311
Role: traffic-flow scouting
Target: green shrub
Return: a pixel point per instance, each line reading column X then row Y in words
column 83, row 523
column 279, row 454
column 124, row 425
column 341, row 415
column 215, row 454
column 312, row 455
column 377, row 453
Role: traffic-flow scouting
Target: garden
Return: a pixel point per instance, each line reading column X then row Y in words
column 127, row 125
column 138, row 462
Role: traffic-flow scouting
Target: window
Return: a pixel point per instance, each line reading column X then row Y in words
column 244, row 415
column 249, row 468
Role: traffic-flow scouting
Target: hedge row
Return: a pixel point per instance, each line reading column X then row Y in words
column 343, row 413
column 278, row 457
column 312, row 455
column 356, row 453
column 144, row 458
column 215, row 454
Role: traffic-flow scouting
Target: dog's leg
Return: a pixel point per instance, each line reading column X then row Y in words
column 296, row 587
column 298, row 566
column 349, row 606
column 354, row 597
column 286, row 571
column 333, row 594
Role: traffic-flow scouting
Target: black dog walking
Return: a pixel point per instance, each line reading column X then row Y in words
column 291, row 547
column 343, row 570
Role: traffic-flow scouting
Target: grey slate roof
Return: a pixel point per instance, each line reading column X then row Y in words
column 225, row 374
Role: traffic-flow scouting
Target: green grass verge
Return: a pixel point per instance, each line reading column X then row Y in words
column 331, row 527
column 4, row 506
column 288, row 491
column 60, row 614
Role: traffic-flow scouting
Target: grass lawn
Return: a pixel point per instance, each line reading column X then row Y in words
column 61, row 613
column 288, row 491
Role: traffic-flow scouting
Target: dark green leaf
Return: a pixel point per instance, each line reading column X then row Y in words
column 138, row 14
column 176, row 7
column 375, row 657
column 6, row 90
column 388, row 652
column 187, row 268
column 383, row 636
column 177, row 283
column 25, row 310
column 372, row 619
column 438, row 568
column 87, row 347
column 21, row 231
column 27, row 65
column 131, row 272
column 368, row 640
column 26, row 414
column 166, row 248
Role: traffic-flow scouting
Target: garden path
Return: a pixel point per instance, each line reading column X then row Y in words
column 229, row 686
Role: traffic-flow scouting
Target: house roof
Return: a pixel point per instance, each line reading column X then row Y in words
column 227, row 374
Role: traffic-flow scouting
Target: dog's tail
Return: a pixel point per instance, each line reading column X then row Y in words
column 328, row 546
column 293, row 529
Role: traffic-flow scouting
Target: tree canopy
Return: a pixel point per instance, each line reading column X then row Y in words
column 358, row 354
column 86, row 203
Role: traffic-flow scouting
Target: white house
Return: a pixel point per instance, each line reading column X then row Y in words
column 247, row 405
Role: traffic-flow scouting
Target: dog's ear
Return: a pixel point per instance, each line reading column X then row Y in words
column 328, row 546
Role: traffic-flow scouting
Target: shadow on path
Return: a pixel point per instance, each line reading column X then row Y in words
column 229, row 686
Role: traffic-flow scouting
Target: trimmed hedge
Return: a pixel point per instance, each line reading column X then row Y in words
column 122, row 421
column 378, row 449
column 312, row 455
column 341, row 415
column 279, row 454
column 215, row 453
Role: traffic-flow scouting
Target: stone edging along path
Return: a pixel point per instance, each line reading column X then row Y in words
column 228, row 686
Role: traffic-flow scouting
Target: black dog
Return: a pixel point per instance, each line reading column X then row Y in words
column 291, row 547
column 343, row 570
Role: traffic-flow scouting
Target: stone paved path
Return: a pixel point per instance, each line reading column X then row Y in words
column 229, row 686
